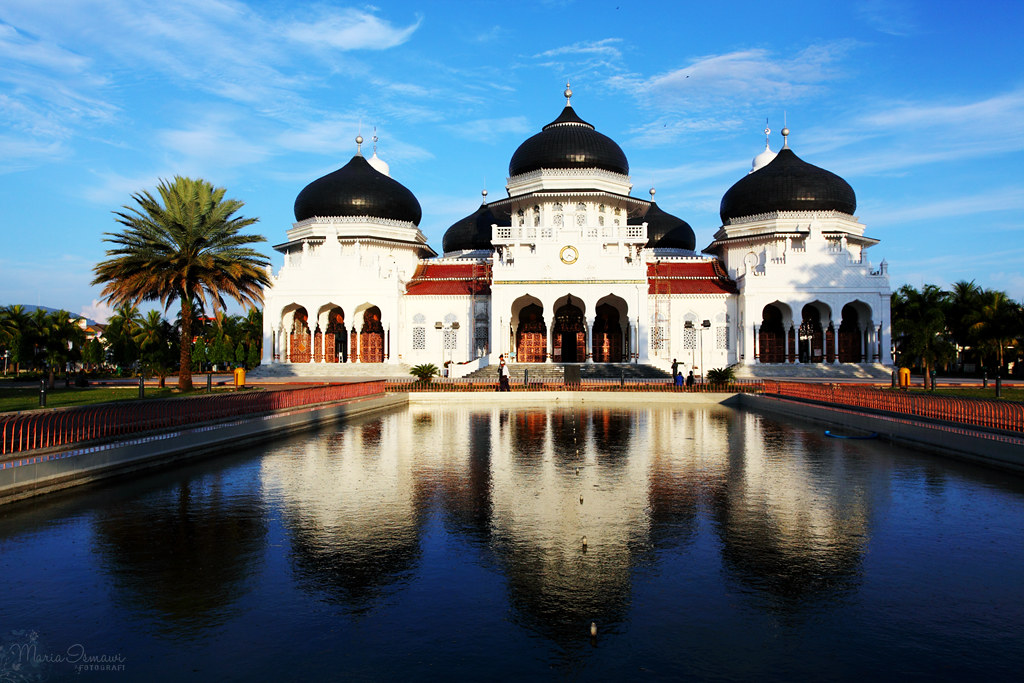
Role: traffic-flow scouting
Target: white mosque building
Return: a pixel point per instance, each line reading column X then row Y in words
column 569, row 267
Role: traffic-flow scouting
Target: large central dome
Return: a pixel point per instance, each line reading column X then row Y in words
column 357, row 189
column 568, row 142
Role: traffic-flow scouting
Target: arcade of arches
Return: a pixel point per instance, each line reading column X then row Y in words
column 780, row 339
column 569, row 343
column 335, row 343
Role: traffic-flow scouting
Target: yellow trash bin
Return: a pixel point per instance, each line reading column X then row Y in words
column 904, row 378
column 239, row 377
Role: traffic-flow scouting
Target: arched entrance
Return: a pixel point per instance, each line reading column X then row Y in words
column 299, row 342
column 607, row 346
column 371, row 337
column 850, row 336
column 811, row 336
column 570, row 334
column 531, row 335
column 334, row 339
column 772, row 337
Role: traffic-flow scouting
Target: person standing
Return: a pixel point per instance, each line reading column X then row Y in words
column 675, row 367
column 689, row 379
column 504, row 375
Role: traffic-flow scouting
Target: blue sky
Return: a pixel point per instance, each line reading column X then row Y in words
column 919, row 105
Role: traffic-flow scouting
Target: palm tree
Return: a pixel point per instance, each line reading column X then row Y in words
column 154, row 340
column 997, row 322
column 919, row 324
column 15, row 334
column 183, row 247
column 120, row 334
column 60, row 339
column 961, row 305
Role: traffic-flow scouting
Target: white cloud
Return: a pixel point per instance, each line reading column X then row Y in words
column 490, row 130
column 888, row 16
column 350, row 29
column 606, row 48
column 738, row 80
column 1003, row 199
column 100, row 311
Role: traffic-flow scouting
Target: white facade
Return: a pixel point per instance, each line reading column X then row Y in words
column 569, row 277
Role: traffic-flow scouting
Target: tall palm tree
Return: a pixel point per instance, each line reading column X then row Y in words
column 961, row 305
column 120, row 334
column 183, row 247
column 997, row 322
column 154, row 339
column 919, row 324
column 15, row 335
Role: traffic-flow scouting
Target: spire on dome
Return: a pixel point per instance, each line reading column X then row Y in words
column 568, row 95
column 767, row 156
column 359, row 145
column 375, row 161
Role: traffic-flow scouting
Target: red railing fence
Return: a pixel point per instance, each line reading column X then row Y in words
column 1005, row 415
column 62, row 426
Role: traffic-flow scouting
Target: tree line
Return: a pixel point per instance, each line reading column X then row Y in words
column 958, row 329
column 132, row 343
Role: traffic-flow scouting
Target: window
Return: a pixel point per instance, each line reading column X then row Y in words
column 520, row 217
column 450, row 338
column 581, row 207
column 581, row 219
column 419, row 338
column 600, row 208
column 722, row 337
column 600, row 220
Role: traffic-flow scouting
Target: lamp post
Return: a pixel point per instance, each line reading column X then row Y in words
column 704, row 325
column 7, row 354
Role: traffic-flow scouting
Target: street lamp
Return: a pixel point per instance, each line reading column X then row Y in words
column 704, row 325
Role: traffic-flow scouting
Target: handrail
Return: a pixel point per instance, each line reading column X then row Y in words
column 62, row 426
column 586, row 384
column 978, row 412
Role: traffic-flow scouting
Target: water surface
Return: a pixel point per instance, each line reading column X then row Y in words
column 448, row 543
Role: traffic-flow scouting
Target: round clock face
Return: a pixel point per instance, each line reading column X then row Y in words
column 569, row 255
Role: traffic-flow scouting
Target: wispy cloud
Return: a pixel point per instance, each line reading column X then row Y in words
column 894, row 17
column 350, row 29
column 1002, row 199
column 490, row 130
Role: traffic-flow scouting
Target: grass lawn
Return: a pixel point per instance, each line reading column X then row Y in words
column 15, row 399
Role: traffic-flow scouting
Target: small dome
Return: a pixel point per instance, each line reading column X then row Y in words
column 357, row 189
column 665, row 230
column 379, row 165
column 763, row 159
column 471, row 233
column 568, row 142
column 788, row 183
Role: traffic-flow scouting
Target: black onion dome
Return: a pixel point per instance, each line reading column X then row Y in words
column 788, row 183
column 568, row 142
column 665, row 230
column 470, row 233
column 357, row 189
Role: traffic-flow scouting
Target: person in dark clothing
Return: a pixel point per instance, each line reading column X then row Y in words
column 689, row 379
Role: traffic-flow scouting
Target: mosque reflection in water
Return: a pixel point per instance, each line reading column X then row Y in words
column 790, row 520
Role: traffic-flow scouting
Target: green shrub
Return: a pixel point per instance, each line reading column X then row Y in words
column 721, row 375
column 424, row 371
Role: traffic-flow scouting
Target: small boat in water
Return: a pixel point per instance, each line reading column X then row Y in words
column 872, row 435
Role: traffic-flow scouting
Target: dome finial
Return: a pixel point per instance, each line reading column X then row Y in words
column 767, row 133
column 483, row 193
column 568, row 95
column 359, row 145
column 374, row 141
column 652, row 191
column 785, row 132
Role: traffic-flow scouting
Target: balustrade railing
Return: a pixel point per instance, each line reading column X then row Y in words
column 991, row 414
column 62, row 426
column 586, row 384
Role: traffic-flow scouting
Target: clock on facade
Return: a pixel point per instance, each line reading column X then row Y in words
column 569, row 255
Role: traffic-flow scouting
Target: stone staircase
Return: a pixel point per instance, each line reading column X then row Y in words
column 554, row 373
column 842, row 371
column 326, row 372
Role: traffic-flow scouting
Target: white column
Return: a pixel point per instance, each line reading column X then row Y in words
column 754, row 353
column 590, row 340
column 549, row 341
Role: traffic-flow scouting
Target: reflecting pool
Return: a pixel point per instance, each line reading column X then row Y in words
column 448, row 543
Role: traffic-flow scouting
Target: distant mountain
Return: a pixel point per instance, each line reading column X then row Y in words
column 30, row 307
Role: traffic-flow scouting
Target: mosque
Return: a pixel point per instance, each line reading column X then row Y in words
column 570, row 267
